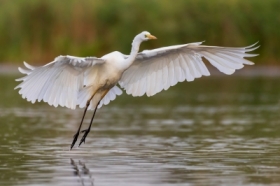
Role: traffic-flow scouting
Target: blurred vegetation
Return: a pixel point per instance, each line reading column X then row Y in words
column 39, row 30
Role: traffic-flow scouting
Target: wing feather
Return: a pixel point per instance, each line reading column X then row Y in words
column 188, row 70
column 189, row 73
column 58, row 82
column 172, row 80
column 158, row 69
column 177, row 70
column 197, row 67
column 158, row 78
column 165, row 78
column 110, row 96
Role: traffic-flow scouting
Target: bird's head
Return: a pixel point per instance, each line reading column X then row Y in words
column 145, row 36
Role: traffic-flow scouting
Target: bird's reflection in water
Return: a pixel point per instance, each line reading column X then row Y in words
column 82, row 172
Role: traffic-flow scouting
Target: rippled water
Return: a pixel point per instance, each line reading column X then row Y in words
column 214, row 131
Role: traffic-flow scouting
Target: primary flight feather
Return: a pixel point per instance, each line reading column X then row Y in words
column 91, row 82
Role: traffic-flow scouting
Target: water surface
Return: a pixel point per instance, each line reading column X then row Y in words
column 213, row 131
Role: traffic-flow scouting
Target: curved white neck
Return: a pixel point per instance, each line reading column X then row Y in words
column 134, row 51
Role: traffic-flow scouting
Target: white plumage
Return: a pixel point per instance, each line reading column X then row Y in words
column 91, row 82
column 57, row 83
column 158, row 69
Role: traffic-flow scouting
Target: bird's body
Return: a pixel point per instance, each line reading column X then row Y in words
column 97, row 79
column 91, row 82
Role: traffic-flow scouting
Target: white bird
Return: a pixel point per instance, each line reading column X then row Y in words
column 90, row 82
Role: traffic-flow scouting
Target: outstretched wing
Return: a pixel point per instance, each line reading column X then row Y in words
column 58, row 82
column 158, row 69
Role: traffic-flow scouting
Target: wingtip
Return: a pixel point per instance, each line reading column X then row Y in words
column 30, row 67
column 250, row 63
column 16, row 87
column 252, row 49
column 250, row 46
column 23, row 71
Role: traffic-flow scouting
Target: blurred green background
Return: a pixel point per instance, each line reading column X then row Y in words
column 39, row 30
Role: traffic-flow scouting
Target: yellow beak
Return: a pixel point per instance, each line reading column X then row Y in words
column 151, row 36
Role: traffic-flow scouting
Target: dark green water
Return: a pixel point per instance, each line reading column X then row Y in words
column 222, row 130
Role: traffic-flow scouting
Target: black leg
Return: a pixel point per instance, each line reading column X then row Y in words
column 88, row 130
column 78, row 132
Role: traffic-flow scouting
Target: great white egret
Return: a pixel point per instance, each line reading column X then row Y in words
column 91, row 82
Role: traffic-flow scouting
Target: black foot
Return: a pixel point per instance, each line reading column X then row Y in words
column 75, row 137
column 84, row 136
